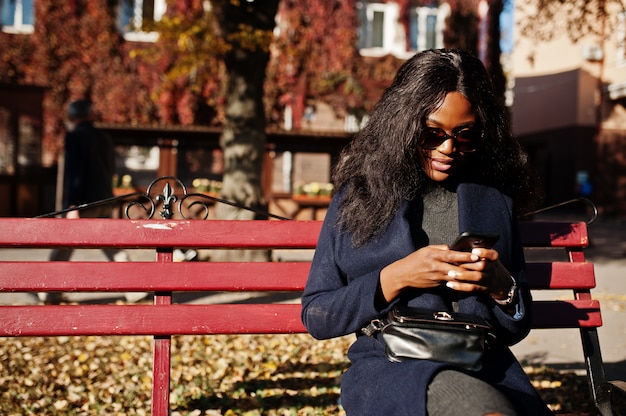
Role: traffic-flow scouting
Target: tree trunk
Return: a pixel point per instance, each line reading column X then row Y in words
column 243, row 138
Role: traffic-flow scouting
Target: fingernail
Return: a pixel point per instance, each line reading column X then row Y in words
column 476, row 252
column 452, row 273
column 451, row 285
column 475, row 257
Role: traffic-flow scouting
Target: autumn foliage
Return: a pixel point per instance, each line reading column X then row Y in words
column 77, row 50
column 314, row 56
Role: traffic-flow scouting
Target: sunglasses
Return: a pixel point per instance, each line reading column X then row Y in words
column 466, row 140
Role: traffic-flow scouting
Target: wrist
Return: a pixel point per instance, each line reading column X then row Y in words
column 390, row 282
column 510, row 295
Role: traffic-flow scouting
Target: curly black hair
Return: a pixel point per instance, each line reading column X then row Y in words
column 382, row 165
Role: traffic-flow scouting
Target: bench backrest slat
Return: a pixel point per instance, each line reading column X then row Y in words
column 210, row 319
column 73, row 320
column 207, row 276
column 152, row 276
column 561, row 275
column 566, row 314
column 95, row 233
column 554, row 234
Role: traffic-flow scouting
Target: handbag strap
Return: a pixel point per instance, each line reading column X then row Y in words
column 453, row 297
column 374, row 326
column 378, row 324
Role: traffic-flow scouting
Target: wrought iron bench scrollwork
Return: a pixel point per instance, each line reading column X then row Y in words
column 172, row 201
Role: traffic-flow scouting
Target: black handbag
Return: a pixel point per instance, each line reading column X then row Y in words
column 450, row 337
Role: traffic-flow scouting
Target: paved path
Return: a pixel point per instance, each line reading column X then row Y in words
column 560, row 349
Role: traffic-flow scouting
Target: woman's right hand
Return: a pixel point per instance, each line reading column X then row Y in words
column 425, row 268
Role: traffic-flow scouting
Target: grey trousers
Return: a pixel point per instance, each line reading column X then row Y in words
column 454, row 393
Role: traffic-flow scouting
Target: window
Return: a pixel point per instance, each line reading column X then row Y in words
column 378, row 26
column 426, row 25
column 135, row 15
column 18, row 16
column 381, row 30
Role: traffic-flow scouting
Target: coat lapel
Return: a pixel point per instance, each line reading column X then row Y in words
column 484, row 209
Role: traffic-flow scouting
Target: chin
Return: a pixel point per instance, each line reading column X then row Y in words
column 438, row 176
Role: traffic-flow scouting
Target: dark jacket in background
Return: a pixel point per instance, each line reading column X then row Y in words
column 89, row 165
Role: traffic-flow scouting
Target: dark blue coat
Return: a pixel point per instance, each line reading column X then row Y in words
column 89, row 165
column 340, row 299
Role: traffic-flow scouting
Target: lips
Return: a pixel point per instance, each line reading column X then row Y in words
column 441, row 164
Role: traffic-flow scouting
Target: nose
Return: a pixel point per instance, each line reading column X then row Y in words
column 446, row 147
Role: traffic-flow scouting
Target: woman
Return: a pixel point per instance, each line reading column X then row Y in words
column 435, row 159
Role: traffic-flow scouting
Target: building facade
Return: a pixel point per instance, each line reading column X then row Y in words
column 569, row 107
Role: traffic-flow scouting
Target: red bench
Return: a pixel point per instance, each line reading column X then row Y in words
column 163, row 276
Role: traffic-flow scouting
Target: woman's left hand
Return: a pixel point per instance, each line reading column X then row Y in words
column 487, row 274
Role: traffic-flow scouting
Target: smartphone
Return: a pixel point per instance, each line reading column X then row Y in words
column 469, row 240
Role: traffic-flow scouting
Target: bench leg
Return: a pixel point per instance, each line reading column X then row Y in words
column 161, row 376
column 595, row 366
column 161, row 359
